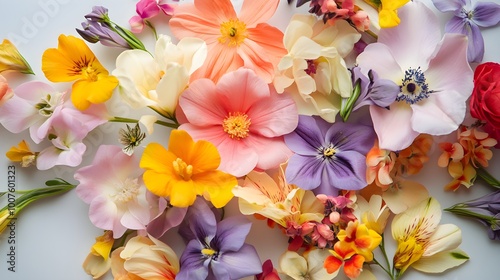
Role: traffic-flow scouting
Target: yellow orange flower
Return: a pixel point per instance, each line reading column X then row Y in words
column 22, row 154
column 360, row 238
column 387, row 11
column 185, row 170
column 11, row 59
column 97, row 262
column 73, row 60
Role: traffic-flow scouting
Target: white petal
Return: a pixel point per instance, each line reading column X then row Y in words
column 379, row 58
column 441, row 261
column 434, row 117
column 409, row 194
column 315, row 260
column 446, row 237
column 148, row 121
column 293, row 265
column 170, row 87
column 194, row 53
column 421, row 219
column 300, row 25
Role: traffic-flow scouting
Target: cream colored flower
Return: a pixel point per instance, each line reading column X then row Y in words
column 315, row 64
column 309, row 266
column 98, row 262
column 373, row 213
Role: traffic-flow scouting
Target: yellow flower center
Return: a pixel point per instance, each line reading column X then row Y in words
column 208, row 252
column 182, row 169
column 126, row 191
column 90, row 73
column 233, row 32
column 236, row 125
column 329, row 152
column 409, row 251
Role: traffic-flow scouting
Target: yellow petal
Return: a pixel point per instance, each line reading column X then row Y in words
column 205, row 157
column 388, row 19
column 86, row 92
column 11, row 59
column 183, row 193
column 181, row 144
column 218, row 185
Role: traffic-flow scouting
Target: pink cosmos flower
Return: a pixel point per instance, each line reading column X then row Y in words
column 243, row 117
column 147, row 9
column 233, row 41
column 113, row 187
column 34, row 105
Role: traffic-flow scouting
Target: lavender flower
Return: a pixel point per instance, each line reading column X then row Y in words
column 216, row 250
column 469, row 15
column 328, row 157
column 99, row 13
column 368, row 91
column 485, row 209
column 94, row 32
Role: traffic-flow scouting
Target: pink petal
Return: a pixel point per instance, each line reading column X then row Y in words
column 256, row 11
column 413, row 44
column 237, row 158
column 274, row 116
column 256, row 58
column 272, row 151
column 379, row 58
column 17, row 115
column 201, row 105
column 213, row 134
column 393, row 126
column 136, row 24
column 439, row 114
column 221, row 10
column 221, row 59
column 190, row 22
column 147, row 9
column 270, row 38
column 102, row 213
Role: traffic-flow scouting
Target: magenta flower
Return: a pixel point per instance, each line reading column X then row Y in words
column 469, row 16
column 216, row 250
column 243, row 117
column 113, row 187
column 147, row 9
column 328, row 157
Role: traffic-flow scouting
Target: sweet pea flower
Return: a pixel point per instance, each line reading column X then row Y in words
column 468, row 17
column 424, row 244
column 328, row 157
column 434, row 76
column 12, row 60
column 5, row 91
column 243, row 117
column 35, row 105
column 120, row 201
column 234, row 41
column 315, row 64
column 157, row 81
column 309, row 266
column 73, row 60
column 147, row 9
column 144, row 258
column 216, row 250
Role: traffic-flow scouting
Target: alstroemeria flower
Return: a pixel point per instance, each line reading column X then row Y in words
column 233, row 40
column 468, row 17
column 315, row 64
column 216, row 250
column 35, row 105
column 144, row 258
column 328, row 157
column 73, row 60
column 185, row 170
column 11, row 59
column 113, row 187
column 424, row 244
column 434, row 76
column 147, row 9
column 98, row 262
column 373, row 213
column 243, row 117
column 157, row 81
column 268, row 194
column 310, row 266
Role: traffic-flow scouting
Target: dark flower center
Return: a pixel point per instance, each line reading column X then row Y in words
column 327, row 153
column 311, row 67
column 210, row 253
column 413, row 87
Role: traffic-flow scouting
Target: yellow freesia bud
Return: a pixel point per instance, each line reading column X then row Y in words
column 11, row 59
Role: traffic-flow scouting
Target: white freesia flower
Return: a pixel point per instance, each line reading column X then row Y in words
column 310, row 267
column 157, row 81
column 315, row 64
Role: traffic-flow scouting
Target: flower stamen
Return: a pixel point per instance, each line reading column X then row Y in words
column 182, row 169
column 233, row 32
column 413, row 87
column 236, row 125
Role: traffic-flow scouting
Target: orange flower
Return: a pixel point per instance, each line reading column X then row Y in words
column 233, row 41
column 22, row 154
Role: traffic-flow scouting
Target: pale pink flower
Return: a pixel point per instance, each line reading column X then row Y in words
column 243, row 117
column 5, row 91
column 113, row 187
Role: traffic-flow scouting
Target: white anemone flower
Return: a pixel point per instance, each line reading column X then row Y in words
column 432, row 71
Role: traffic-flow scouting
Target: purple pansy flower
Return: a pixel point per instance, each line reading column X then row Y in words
column 328, row 157
column 469, row 16
column 216, row 250
column 485, row 209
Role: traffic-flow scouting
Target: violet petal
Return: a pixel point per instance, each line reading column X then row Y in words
column 486, row 14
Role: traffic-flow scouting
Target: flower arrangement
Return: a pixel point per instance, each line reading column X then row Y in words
column 316, row 130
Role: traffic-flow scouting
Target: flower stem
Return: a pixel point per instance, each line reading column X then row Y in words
column 383, row 268
column 486, row 176
column 128, row 120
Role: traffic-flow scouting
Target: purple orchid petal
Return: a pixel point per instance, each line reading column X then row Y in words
column 475, row 46
column 304, row 171
column 347, row 171
column 239, row 264
column 199, row 222
column 383, row 92
column 448, row 5
column 231, row 234
column 306, row 138
column 193, row 265
column 348, row 136
column 170, row 218
column 486, row 14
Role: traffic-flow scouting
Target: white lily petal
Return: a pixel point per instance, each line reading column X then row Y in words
column 300, row 25
column 446, row 237
column 305, row 48
column 170, row 87
column 440, row 262
column 420, row 220
column 148, row 121
column 194, row 53
column 293, row 265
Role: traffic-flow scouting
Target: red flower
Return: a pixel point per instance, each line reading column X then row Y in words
column 485, row 99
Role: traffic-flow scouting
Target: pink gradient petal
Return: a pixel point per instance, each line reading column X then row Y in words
column 393, row 126
column 213, row 134
column 102, row 213
column 256, row 11
column 241, row 89
column 435, row 116
column 17, row 115
column 136, row 24
column 274, row 116
column 190, row 22
column 221, row 59
column 413, row 44
column 220, row 10
column 147, row 8
column 256, row 58
column 272, row 151
column 270, row 38
column 200, row 104
column 237, row 158
column 379, row 58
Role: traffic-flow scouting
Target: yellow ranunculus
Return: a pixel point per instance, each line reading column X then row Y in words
column 73, row 60
column 185, row 170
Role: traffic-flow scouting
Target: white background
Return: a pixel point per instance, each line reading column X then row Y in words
column 54, row 236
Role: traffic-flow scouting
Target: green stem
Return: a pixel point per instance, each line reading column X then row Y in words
column 382, row 248
column 371, row 33
column 486, row 176
column 128, row 120
column 383, row 268
column 153, row 29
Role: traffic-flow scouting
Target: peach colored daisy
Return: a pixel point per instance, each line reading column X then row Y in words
column 233, row 40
